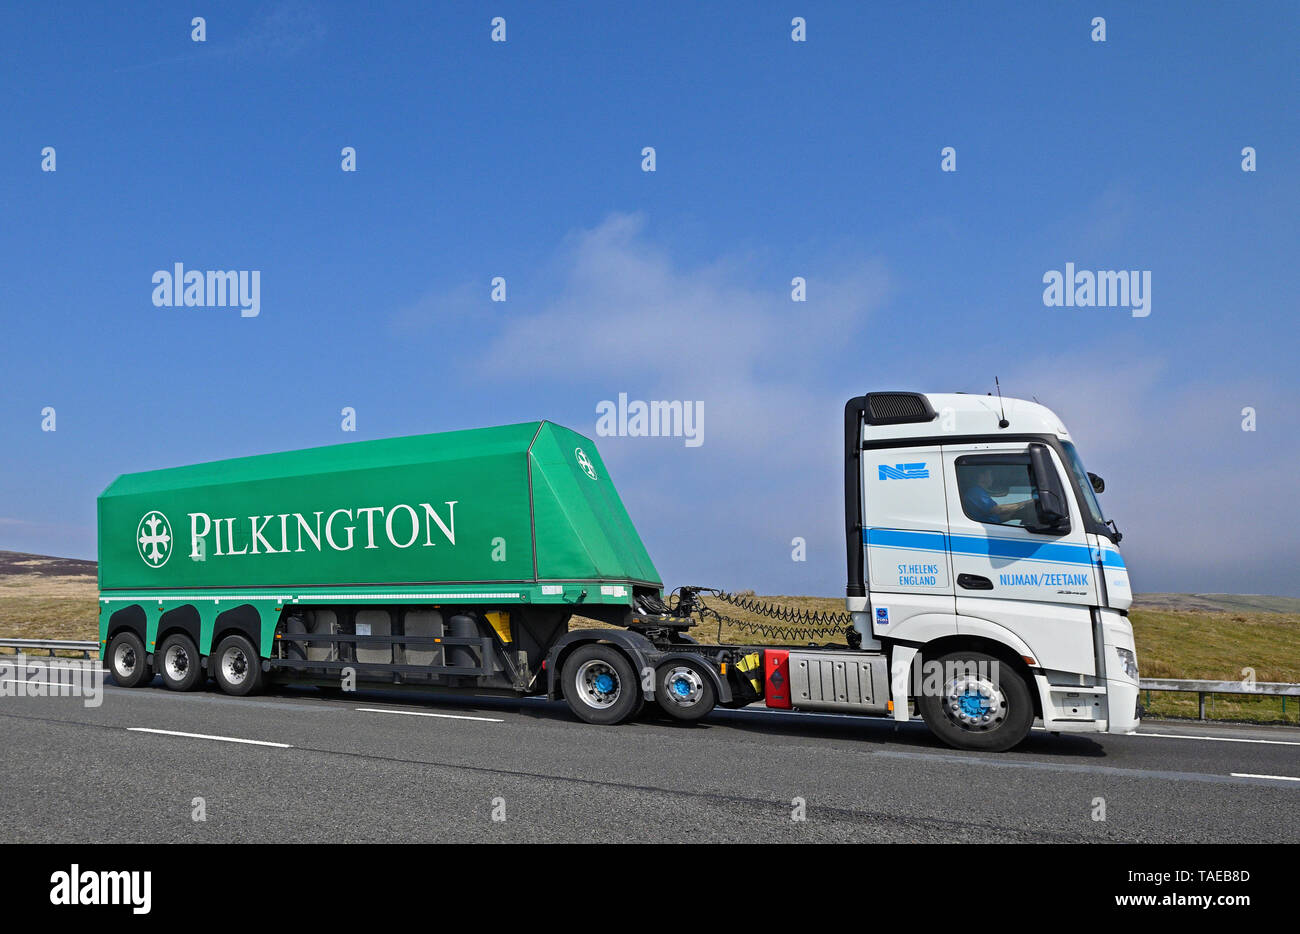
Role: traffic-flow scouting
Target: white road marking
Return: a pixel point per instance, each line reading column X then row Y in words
column 47, row 684
column 1276, row 778
column 224, row 739
column 1222, row 739
column 59, row 668
column 420, row 713
column 758, row 708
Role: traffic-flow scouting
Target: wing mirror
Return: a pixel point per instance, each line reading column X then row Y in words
column 1053, row 513
column 1098, row 484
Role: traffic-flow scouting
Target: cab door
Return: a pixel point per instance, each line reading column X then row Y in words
column 1006, row 571
column 905, row 518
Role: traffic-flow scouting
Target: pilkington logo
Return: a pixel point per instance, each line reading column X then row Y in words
column 584, row 462
column 153, row 538
column 365, row 527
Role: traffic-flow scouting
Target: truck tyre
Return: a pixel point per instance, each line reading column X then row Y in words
column 976, row 709
column 177, row 660
column 236, row 666
column 127, row 662
column 600, row 685
column 684, row 691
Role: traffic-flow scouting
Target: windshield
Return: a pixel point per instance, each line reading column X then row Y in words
column 1085, row 485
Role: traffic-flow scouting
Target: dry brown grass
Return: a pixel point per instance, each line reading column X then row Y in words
column 49, row 607
column 1217, row 646
column 60, row 585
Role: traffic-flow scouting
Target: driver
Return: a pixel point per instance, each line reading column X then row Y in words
column 982, row 507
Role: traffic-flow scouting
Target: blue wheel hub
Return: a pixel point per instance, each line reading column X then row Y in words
column 604, row 683
column 973, row 705
column 976, row 704
column 681, row 688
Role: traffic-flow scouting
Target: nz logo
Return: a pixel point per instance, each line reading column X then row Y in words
column 904, row 472
column 153, row 539
column 585, row 462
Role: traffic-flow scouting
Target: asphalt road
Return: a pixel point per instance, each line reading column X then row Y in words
column 380, row 767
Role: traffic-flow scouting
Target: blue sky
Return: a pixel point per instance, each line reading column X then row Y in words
column 775, row 159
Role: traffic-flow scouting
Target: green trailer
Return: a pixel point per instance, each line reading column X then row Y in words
column 467, row 561
column 452, row 561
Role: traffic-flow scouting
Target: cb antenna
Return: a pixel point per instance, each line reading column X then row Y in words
column 1002, row 422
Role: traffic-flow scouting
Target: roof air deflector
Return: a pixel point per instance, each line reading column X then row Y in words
column 898, row 408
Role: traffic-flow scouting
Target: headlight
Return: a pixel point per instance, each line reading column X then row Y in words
column 1129, row 660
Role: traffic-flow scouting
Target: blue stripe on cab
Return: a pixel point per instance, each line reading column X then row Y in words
column 892, row 538
column 1014, row 548
column 1055, row 552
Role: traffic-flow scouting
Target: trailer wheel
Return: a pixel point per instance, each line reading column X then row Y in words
column 177, row 660
column 984, row 704
column 683, row 691
column 600, row 685
column 236, row 666
column 126, row 660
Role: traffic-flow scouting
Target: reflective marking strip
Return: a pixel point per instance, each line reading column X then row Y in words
column 173, row 597
column 410, row 596
column 1276, row 778
column 224, row 739
column 420, row 713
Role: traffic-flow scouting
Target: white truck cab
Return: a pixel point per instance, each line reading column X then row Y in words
column 980, row 562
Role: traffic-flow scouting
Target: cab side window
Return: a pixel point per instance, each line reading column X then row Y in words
column 997, row 489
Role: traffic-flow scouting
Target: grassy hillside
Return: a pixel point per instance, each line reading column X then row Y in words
column 47, row 598
column 1220, row 602
column 1209, row 636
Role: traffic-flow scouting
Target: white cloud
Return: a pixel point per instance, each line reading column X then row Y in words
column 623, row 316
column 627, row 318
column 1203, row 504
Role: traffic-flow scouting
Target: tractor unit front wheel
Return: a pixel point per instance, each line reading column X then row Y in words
column 984, row 704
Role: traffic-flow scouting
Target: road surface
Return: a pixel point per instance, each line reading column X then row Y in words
column 296, row 765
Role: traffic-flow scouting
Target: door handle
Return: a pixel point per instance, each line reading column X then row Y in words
column 974, row 582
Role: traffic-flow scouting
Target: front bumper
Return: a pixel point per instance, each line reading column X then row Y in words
column 1071, row 709
column 1122, row 704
